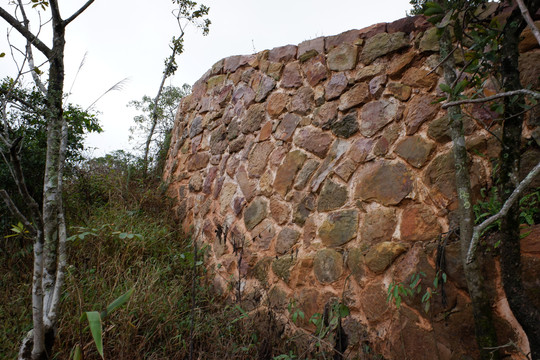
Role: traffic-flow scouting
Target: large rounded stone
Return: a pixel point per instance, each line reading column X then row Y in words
column 282, row 267
column 255, row 116
column 335, row 86
column 381, row 255
column 339, row 228
column 258, row 158
column 347, row 126
column 328, row 266
column 418, row 223
column 255, row 212
column 333, row 196
column 313, row 140
column 276, row 104
column 419, row 110
column 286, row 238
column 287, row 171
column 376, row 114
column 359, row 94
column 355, row 263
column 382, row 44
column 343, row 57
column 384, row 182
column 415, row 150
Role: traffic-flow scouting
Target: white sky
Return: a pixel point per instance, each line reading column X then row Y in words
column 130, row 39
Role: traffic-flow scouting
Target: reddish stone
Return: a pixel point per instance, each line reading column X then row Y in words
column 243, row 93
column 376, row 85
column 302, row 101
column 238, row 205
column 343, row 57
column 287, row 171
column 372, row 30
column 313, row 140
column 315, row 70
column 310, row 231
column 528, row 40
column 346, row 169
column 198, row 161
column 419, row 223
column 380, row 256
column 247, row 186
column 305, row 173
column 209, row 180
column 276, row 103
column 368, row 72
column 266, row 131
column 415, row 150
column 255, row 212
column 328, row 266
column 348, row 37
column 255, row 115
column 263, row 234
column 359, row 94
column 400, row 63
column 286, row 238
column 258, row 158
column 283, row 53
column 406, row 25
column 378, row 225
column 419, row 110
column 280, row 211
column 231, row 64
column 291, row 77
column 287, row 126
column 335, row 86
column 360, row 150
column 377, row 114
column 339, row 228
column 278, row 154
column 416, row 77
column 237, row 144
column 326, row 114
column 196, row 182
column 384, row 182
column 398, row 90
column 374, row 302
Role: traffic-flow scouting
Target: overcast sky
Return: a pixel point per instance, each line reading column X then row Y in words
column 130, row 39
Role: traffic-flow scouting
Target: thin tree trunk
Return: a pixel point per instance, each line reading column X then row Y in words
column 523, row 309
column 476, row 282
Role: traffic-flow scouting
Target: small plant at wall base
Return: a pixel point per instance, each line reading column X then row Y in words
column 396, row 291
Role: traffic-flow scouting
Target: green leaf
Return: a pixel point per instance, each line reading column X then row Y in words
column 77, row 354
column 446, row 88
column 94, row 320
column 446, row 20
column 121, row 300
column 2, row 54
column 343, row 310
column 444, row 277
column 426, row 307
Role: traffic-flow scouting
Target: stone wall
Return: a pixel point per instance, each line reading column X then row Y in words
column 325, row 170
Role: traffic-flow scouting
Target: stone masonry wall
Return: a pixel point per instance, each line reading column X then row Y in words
column 325, row 170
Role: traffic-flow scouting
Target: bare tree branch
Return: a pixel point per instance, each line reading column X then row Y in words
column 15, row 211
column 25, row 32
column 78, row 12
column 528, row 19
column 531, row 93
column 478, row 229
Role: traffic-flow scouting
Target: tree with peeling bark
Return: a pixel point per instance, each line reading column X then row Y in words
column 46, row 224
column 493, row 54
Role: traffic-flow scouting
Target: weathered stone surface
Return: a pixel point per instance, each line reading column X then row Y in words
column 347, row 37
column 238, row 205
column 376, row 85
column 375, row 305
column 315, row 70
column 440, row 174
column 316, row 44
column 287, row 126
column 255, row 116
column 196, row 127
column 398, row 90
column 276, row 104
column 280, row 211
column 255, row 212
column 198, row 161
column 287, row 171
column 304, row 209
column 359, row 94
column 360, row 150
column 196, row 182
column 209, row 180
column 367, row 72
column 277, row 298
column 377, row 114
column 237, row 144
column 282, row 267
column 215, row 81
column 338, row 149
column 355, row 263
column 286, row 238
column 232, row 63
column 332, row 197
column 415, row 150
column 243, row 94
column 266, row 131
column 345, row 169
column 226, row 195
column 384, row 182
column 343, row 57
column 378, row 225
column 339, row 228
column 258, row 158
column 419, row 110
column 382, row 44
column 416, row 77
column 429, row 41
column 419, row 223
column 218, row 142
column 400, row 63
column 406, row 25
column 283, row 53
column 380, row 256
column 302, row 101
column 347, row 126
column 263, row 234
column 328, row 266
column 260, row 270
column 262, row 85
column 248, row 187
column 305, row 173
column 313, row 140
column 335, row 86
column 325, row 115
column 291, row 78
column 266, row 184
